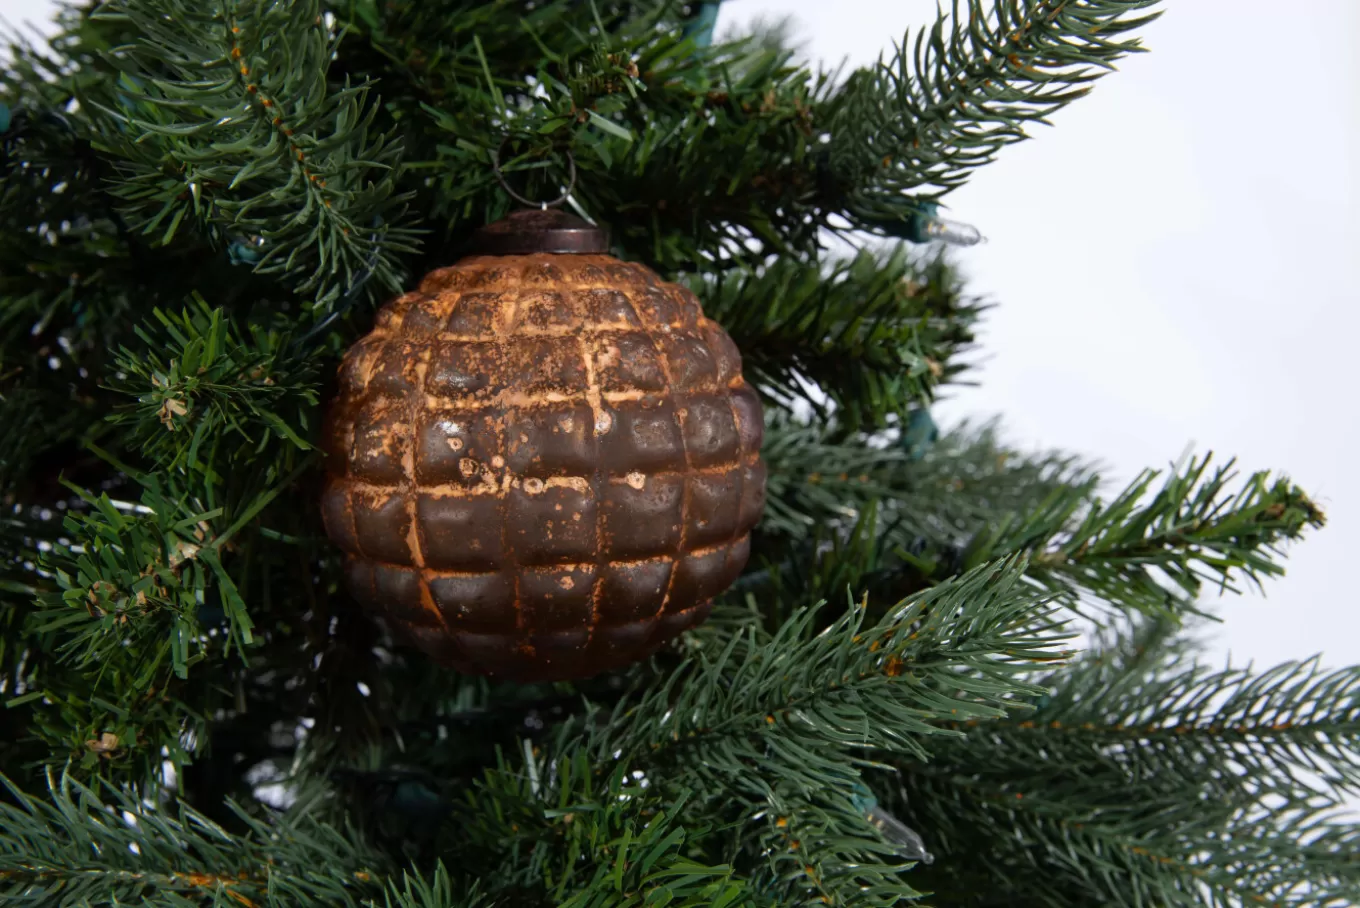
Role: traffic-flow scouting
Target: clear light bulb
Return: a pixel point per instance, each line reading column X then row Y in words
column 955, row 233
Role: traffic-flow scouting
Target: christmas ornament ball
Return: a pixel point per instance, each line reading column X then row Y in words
column 544, row 462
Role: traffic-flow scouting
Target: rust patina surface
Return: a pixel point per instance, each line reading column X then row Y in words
column 543, row 466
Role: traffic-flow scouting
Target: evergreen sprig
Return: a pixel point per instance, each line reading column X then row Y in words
column 125, row 622
column 1156, row 552
column 820, row 475
column 852, row 685
column 436, row 891
column 128, row 562
column 1147, row 685
column 803, row 494
column 222, row 120
column 971, row 474
column 721, row 168
column 1143, row 779
column 206, row 387
column 973, row 501
column 576, row 834
column 646, row 117
column 819, row 848
column 776, row 726
column 969, row 86
column 87, row 845
column 872, row 336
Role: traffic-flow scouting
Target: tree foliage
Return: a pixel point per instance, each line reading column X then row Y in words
column 202, row 201
column 84, row 845
column 1240, row 776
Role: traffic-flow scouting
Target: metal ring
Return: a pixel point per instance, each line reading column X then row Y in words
column 500, row 178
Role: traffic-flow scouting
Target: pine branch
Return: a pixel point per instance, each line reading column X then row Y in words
column 457, row 81
column 852, row 685
column 864, row 513
column 60, row 240
column 1040, row 858
column 762, row 720
column 816, row 848
column 126, row 623
column 100, row 845
column 872, row 336
column 432, row 55
column 565, row 831
column 223, row 120
column 1139, row 780
column 1156, row 553
column 50, row 193
column 927, row 119
column 970, row 478
column 1290, row 727
column 217, row 382
column 820, row 475
column 73, row 279
column 439, row 891
column 971, row 501
column 646, row 115
column 816, row 477
column 1147, row 551
column 739, row 112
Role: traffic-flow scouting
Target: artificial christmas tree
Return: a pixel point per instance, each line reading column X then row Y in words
column 203, row 205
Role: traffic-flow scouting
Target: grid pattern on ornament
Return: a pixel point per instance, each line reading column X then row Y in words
column 555, row 455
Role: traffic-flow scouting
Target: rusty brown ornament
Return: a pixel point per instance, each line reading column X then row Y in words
column 543, row 465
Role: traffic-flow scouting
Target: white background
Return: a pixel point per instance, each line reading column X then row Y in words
column 1175, row 263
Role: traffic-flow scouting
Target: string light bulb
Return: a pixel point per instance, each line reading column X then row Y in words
column 955, row 233
column 245, row 250
column 703, row 18
column 906, row 840
column 928, row 227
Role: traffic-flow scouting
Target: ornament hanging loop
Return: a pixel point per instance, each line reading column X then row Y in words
column 505, row 184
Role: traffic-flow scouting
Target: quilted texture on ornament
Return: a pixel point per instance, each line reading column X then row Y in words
column 543, row 466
